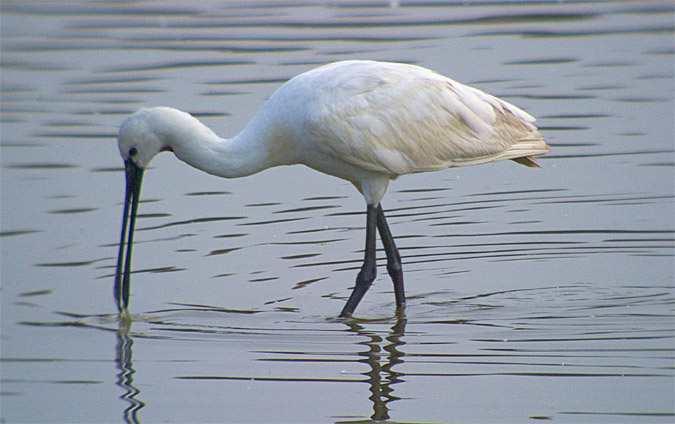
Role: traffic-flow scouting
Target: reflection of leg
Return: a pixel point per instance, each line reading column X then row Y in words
column 369, row 267
column 393, row 258
column 395, row 357
column 381, row 376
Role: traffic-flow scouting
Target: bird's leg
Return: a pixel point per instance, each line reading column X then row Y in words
column 393, row 259
column 369, row 267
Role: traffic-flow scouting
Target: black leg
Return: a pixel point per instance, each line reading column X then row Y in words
column 369, row 267
column 393, row 259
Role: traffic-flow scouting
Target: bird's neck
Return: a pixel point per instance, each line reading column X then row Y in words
column 251, row 151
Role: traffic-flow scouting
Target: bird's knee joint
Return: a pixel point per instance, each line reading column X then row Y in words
column 394, row 268
column 366, row 276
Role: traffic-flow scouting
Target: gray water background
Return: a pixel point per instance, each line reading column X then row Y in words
column 533, row 294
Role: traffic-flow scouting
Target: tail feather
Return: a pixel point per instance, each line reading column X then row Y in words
column 523, row 151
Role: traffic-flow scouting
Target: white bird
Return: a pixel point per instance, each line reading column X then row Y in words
column 363, row 121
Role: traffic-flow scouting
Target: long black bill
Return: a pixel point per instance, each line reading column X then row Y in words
column 123, row 282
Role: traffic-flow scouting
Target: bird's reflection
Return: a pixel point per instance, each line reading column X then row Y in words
column 125, row 377
column 381, row 357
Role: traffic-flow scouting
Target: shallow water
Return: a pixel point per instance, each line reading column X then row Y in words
column 532, row 294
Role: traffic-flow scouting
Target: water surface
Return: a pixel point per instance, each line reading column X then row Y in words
column 532, row 294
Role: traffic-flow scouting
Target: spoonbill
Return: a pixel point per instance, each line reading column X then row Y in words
column 366, row 122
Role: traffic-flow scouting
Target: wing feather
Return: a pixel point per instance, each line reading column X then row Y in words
column 400, row 119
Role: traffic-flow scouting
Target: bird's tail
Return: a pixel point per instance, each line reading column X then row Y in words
column 523, row 151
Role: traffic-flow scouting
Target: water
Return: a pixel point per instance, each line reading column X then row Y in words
column 533, row 294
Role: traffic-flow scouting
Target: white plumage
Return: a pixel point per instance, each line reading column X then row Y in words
column 364, row 121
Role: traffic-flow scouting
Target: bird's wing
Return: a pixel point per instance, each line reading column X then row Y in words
column 409, row 119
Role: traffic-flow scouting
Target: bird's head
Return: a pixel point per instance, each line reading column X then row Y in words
column 141, row 136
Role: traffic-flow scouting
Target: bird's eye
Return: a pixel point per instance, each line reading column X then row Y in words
column 132, row 152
